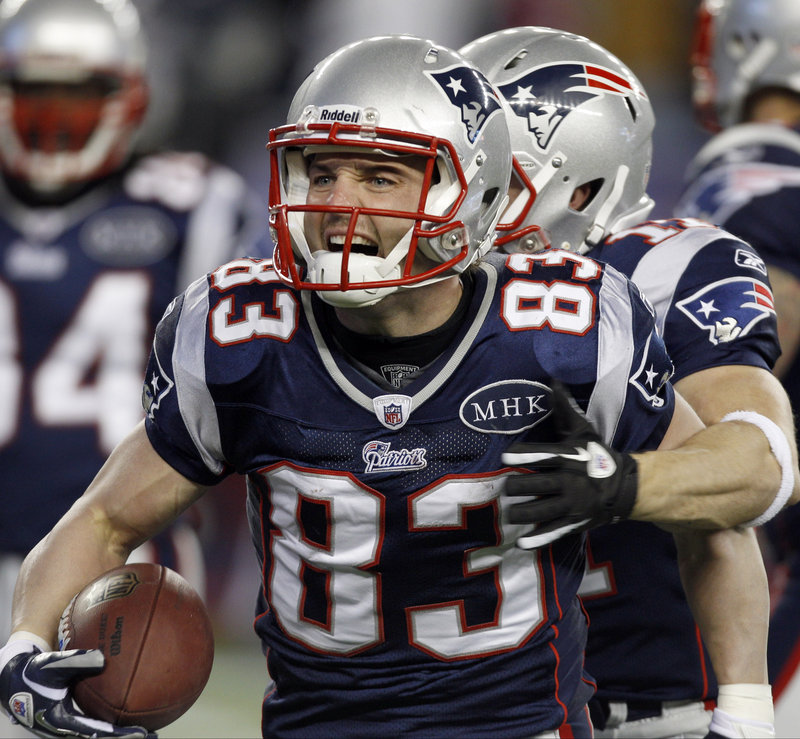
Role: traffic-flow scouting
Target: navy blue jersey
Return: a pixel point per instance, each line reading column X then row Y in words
column 747, row 179
column 713, row 307
column 394, row 599
column 82, row 287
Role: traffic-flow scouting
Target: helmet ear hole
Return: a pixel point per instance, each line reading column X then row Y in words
column 490, row 195
column 589, row 192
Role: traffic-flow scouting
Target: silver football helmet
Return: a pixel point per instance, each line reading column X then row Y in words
column 741, row 46
column 579, row 117
column 393, row 96
column 72, row 89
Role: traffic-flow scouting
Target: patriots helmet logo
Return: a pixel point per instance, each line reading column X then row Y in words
column 471, row 93
column 546, row 95
column 728, row 309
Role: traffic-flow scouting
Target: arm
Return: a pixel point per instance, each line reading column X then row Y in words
column 726, row 585
column 134, row 496
column 786, row 291
column 726, row 475
column 707, row 478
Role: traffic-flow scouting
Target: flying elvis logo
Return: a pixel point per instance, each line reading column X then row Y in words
column 729, row 308
column 470, row 92
column 545, row 96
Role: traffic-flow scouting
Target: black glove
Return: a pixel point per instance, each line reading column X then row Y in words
column 579, row 483
column 34, row 690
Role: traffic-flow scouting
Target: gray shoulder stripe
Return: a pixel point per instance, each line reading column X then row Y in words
column 188, row 362
column 614, row 355
column 659, row 271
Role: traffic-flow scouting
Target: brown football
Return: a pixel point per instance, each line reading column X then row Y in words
column 157, row 638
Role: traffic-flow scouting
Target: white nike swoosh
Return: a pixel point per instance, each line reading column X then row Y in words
column 581, row 456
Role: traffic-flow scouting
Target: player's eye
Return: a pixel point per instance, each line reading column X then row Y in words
column 321, row 180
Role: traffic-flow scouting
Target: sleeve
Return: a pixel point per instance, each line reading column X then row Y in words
column 600, row 339
column 722, row 312
column 181, row 419
column 632, row 401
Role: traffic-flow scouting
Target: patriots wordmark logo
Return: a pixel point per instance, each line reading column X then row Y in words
column 379, row 457
column 392, row 410
column 471, row 93
column 728, row 309
column 546, row 95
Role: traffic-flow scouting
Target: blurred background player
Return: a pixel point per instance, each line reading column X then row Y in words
column 746, row 76
column 581, row 132
column 95, row 240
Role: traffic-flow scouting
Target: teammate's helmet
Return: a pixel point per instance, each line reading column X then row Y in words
column 394, row 96
column 739, row 47
column 72, row 89
column 579, row 116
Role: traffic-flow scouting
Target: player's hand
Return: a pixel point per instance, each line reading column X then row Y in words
column 579, row 482
column 725, row 726
column 34, row 690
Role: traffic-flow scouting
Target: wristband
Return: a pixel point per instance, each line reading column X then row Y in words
column 34, row 639
column 751, row 701
column 19, row 643
column 780, row 449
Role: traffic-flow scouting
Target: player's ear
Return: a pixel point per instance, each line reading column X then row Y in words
column 581, row 196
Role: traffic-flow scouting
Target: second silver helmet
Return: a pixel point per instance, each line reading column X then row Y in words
column 580, row 117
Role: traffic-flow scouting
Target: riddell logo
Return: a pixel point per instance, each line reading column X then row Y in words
column 344, row 114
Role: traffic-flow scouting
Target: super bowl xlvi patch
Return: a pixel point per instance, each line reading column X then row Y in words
column 470, row 92
column 506, row 407
column 546, row 95
column 729, row 308
column 380, row 457
column 392, row 410
column 649, row 381
column 21, row 705
column 128, row 236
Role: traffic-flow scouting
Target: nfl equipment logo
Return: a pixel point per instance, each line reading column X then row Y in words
column 392, row 410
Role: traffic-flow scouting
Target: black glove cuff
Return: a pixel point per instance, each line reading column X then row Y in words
column 622, row 505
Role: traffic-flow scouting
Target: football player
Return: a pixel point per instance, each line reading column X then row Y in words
column 746, row 89
column 94, row 243
column 581, row 185
column 370, row 383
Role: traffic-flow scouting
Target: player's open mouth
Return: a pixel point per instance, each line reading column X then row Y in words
column 359, row 245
